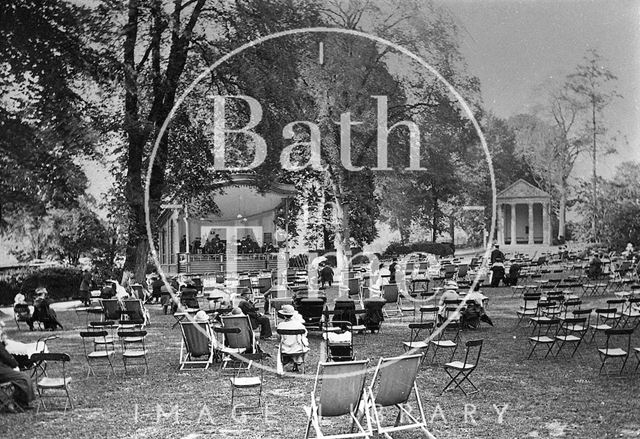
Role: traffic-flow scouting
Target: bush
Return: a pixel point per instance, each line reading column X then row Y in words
column 62, row 283
column 435, row 248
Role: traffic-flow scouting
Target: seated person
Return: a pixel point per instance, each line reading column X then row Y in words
column 293, row 348
column 10, row 373
column 42, row 312
column 326, row 275
column 595, row 267
column 156, row 289
column 474, row 311
column 256, row 318
column 512, row 278
column 373, row 316
column 450, row 293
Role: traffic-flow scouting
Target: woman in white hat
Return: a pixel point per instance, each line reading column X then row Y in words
column 450, row 293
column 293, row 347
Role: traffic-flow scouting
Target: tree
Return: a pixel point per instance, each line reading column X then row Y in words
column 618, row 203
column 44, row 121
column 76, row 232
column 590, row 84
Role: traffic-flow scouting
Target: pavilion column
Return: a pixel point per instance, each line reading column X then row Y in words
column 500, row 224
column 513, row 224
column 546, row 221
column 175, row 237
column 530, row 223
column 186, row 231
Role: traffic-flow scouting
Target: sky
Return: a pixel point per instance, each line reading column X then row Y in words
column 515, row 46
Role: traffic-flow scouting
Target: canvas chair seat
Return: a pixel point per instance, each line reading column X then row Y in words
column 53, row 383
column 460, row 365
column 415, row 344
column 100, row 354
column 246, row 382
column 567, row 338
column 613, row 352
column 601, row 327
column 135, row 353
column 444, row 343
column 542, row 339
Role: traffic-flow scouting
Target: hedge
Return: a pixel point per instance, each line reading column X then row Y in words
column 435, row 248
column 62, row 283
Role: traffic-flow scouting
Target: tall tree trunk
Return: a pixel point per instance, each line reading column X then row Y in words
column 434, row 226
column 594, row 219
column 452, row 229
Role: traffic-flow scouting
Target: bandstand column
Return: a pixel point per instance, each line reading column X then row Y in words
column 513, row 223
column 530, row 241
column 546, row 211
column 500, row 224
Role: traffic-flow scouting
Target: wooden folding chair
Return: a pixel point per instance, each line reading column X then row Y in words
column 546, row 332
column 95, row 354
column 459, row 371
column 45, row 382
column 392, row 384
column 616, row 347
column 338, row 391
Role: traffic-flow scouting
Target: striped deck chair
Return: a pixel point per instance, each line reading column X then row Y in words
column 197, row 347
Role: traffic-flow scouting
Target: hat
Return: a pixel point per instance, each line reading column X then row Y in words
column 451, row 285
column 236, row 311
column 287, row 310
column 201, row 317
column 41, row 291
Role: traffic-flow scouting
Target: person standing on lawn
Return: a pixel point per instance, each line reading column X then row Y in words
column 85, row 287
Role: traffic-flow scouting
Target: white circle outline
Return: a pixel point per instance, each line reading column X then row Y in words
column 334, row 30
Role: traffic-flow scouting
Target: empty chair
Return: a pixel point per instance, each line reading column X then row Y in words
column 617, row 346
column 418, row 340
column 54, row 384
column 545, row 335
column 338, row 392
column 392, row 385
column 98, row 352
column 135, row 312
column 134, row 350
column 529, row 308
column 630, row 312
column 601, row 318
column 571, row 331
column 459, row 371
column 429, row 314
column 244, row 381
column 391, row 295
column 446, row 336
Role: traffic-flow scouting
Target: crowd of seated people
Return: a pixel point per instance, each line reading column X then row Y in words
column 215, row 245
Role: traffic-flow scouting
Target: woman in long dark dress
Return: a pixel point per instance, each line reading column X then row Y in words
column 42, row 312
column 10, row 373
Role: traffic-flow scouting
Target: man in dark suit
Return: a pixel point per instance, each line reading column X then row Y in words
column 496, row 254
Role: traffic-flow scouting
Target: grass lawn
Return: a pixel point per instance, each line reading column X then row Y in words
column 536, row 398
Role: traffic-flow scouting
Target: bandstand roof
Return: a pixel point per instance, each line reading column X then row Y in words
column 522, row 190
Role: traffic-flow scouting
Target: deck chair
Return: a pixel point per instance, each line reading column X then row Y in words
column 312, row 311
column 55, row 379
column 459, row 371
column 617, row 345
column 373, row 314
column 134, row 351
column 338, row 391
column 391, row 295
column 111, row 309
column 197, row 346
column 338, row 337
column 462, row 275
column 391, row 386
column 189, row 299
column 239, row 346
column 136, row 314
column 353, row 285
column 21, row 313
column 449, row 271
column 99, row 352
